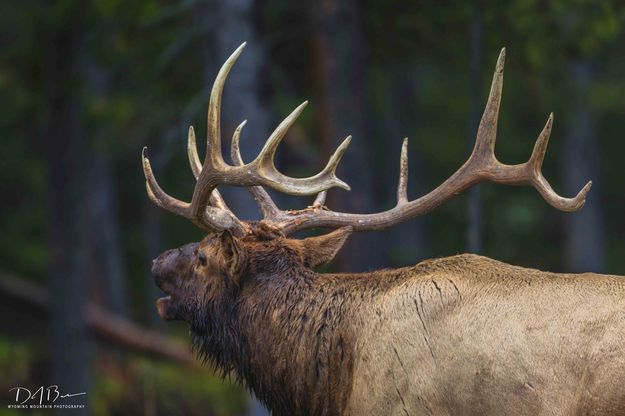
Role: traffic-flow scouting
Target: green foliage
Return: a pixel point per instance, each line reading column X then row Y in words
column 15, row 359
column 166, row 387
column 133, row 385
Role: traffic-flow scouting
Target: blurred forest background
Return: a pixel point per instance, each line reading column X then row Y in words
column 84, row 85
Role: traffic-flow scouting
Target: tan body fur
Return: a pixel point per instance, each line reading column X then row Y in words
column 469, row 335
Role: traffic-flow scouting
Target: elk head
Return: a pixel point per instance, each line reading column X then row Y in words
column 204, row 279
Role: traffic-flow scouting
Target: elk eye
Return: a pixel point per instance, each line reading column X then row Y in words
column 202, row 258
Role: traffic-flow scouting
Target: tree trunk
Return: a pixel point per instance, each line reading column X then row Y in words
column 106, row 259
column 339, row 71
column 66, row 207
column 106, row 262
column 154, row 245
column 241, row 100
column 585, row 235
column 474, row 209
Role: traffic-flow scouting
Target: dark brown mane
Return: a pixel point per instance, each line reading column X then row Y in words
column 309, row 371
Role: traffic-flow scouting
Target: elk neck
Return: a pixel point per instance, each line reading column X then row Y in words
column 298, row 334
column 291, row 333
column 296, row 348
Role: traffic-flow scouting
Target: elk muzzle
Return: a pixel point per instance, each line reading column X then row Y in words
column 170, row 270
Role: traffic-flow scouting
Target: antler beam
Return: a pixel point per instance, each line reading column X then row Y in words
column 482, row 166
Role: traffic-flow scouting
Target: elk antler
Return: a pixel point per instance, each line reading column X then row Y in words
column 482, row 166
column 215, row 171
column 209, row 211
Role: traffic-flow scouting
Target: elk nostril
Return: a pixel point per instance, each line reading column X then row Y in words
column 154, row 268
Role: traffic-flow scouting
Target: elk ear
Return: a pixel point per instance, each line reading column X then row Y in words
column 233, row 255
column 319, row 251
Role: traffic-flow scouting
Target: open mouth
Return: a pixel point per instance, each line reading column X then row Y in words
column 166, row 308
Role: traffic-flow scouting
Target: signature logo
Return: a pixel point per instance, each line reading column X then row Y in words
column 43, row 397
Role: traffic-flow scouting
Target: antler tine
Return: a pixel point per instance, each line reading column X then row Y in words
column 213, row 150
column 320, row 199
column 487, row 131
column 481, row 166
column 325, row 179
column 540, row 147
column 235, row 150
column 267, row 207
column 334, row 161
column 534, row 167
column 194, row 158
column 402, row 186
column 156, row 193
column 268, row 152
column 215, row 199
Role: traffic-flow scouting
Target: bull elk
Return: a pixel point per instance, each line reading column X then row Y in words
column 462, row 335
